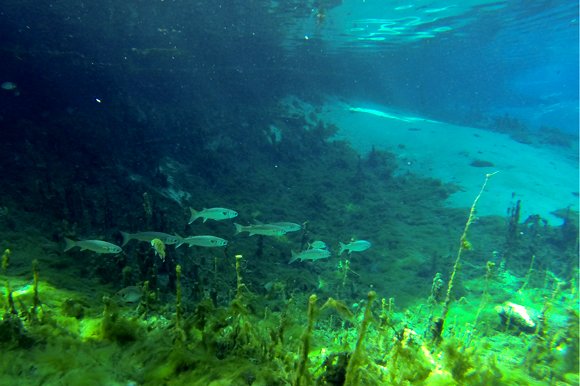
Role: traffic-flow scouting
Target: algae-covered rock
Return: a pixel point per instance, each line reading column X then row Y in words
column 72, row 308
column 13, row 334
column 518, row 316
column 116, row 328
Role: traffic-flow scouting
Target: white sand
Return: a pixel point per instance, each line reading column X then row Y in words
column 543, row 178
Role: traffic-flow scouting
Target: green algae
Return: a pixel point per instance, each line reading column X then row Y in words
column 230, row 331
column 241, row 345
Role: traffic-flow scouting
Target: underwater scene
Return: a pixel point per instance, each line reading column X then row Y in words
column 289, row 193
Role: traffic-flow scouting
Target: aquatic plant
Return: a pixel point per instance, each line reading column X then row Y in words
column 301, row 371
column 204, row 321
column 357, row 359
column 464, row 245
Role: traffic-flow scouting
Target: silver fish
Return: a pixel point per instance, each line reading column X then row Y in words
column 356, row 246
column 310, row 254
column 263, row 229
column 92, row 245
column 203, row 241
column 318, row 245
column 131, row 294
column 287, row 226
column 149, row 236
column 212, row 213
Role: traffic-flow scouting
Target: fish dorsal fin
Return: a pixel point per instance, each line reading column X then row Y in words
column 258, row 222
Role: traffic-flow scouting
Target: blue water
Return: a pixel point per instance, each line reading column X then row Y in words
column 353, row 119
column 516, row 57
column 441, row 59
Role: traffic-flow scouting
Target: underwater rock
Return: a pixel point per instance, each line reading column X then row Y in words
column 73, row 309
column 478, row 163
column 526, row 320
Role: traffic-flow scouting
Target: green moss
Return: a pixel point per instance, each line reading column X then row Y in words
column 455, row 361
column 239, row 335
column 73, row 309
column 13, row 335
column 116, row 328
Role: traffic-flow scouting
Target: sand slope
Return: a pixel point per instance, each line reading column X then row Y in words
column 543, row 178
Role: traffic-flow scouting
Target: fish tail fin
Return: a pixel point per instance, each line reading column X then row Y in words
column 295, row 257
column 69, row 244
column 193, row 215
column 238, row 228
column 180, row 242
column 342, row 247
column 126, row 238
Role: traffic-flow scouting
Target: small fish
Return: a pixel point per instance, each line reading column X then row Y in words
column 212, row 213
column 287, row 226
column 317, row 245
column 269, row 285
column 149, row 236
column 203, row 241
column 356, row 246
column 309, row 254
column 131, row 294
column 263, row 229
column 159, row 248
column 92, row 245
column 8, row 86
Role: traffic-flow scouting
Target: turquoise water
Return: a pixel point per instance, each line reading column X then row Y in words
column 303, row 192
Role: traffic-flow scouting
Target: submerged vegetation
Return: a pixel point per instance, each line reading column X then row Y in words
column 52, row 336
column 400, row 313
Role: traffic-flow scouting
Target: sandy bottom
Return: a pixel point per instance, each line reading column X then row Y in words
column 544, row 179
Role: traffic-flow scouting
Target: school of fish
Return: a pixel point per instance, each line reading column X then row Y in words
column 158, row 240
